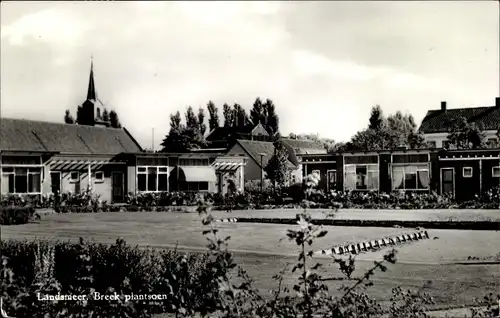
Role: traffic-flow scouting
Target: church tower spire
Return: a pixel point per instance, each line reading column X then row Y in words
column 91, row 94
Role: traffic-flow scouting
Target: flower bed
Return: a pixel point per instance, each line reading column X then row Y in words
column 286, row 199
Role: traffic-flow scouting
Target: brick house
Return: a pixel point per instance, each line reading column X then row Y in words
column 437, row 123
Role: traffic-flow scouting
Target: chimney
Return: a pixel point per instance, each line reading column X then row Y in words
column 497, row 102
column 443, row 106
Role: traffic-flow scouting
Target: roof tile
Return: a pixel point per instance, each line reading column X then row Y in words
column 441, row 121
column 28, row 135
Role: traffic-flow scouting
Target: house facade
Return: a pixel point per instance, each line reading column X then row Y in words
column 225, row 137
column 463, row 174
column 38, row 158
column 437, row 124
column 184, row 172
column 258, row 154
column 41, row 157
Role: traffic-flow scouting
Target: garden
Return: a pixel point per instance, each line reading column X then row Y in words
column 167, row 254
column 224, row 269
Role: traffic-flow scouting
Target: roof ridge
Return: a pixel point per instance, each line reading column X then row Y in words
column 58, row 123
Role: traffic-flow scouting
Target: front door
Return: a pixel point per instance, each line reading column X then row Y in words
column 331, row 180
column 117, row 187
column 55, row 181
column 447, row 181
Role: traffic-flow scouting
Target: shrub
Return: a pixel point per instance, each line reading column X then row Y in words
column 10, row 215
column 83, row 268
column 37, row 201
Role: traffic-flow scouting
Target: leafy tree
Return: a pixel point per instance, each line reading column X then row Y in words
column 376, row 118
column 68, row 119
column 272, row 120
column 228, row 115
column 191, row 119
column 387, row 133
column 276, row 168
column 175, row 141
column 257, row 112
column 201, row 121
column 240, row 116
column 182, row 138
column 105, row 115
column 213, row 112
column 114, row 120
column 465, row 135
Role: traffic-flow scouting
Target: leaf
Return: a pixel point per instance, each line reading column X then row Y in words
column 322, row 233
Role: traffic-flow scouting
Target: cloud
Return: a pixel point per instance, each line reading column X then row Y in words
column 310, row 63
column 412, row 81
column 52, row 25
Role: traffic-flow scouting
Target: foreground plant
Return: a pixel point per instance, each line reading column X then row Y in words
column 310, row 296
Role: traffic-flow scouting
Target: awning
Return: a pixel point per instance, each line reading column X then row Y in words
column 227, row 166
column 198, row 174
column 77, row 164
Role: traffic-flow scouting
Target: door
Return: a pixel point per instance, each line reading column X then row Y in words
column 55, row 181
column 117, row 187
column 448, row 181
column 331, row 182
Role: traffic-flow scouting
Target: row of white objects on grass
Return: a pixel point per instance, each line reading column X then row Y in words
column 370, row 245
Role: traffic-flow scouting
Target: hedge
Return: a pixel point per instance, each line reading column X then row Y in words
column 444, row 225
column 11, row 215
column 51, row 268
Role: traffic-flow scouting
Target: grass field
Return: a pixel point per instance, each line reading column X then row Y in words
column 354, row 214
column 263, row 251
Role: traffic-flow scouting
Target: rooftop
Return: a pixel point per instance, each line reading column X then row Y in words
column 40, row 136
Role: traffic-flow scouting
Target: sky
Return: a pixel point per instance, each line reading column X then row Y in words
column 324, row 64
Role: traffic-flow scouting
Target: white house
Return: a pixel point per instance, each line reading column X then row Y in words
column 437, row 123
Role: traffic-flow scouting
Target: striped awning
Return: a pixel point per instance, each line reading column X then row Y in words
column 227, row 166
column 78, row 164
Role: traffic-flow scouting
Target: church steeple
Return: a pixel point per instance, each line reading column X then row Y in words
column 91, row 94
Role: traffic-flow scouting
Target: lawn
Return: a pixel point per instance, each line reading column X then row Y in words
column 263, row 251
column 358, row 214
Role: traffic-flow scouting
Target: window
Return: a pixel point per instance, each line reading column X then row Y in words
column 496, row 172
column 410, row 177
column 467, row 172
column 193, row 162
column 431, row 144
column 74, row 176
column 152, row 179
column 21, row 180
column 361, row 177
column 446, row 144
column 99, row 176
column 332, row 179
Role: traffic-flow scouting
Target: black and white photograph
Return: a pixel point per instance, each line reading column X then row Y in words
column 241, row 159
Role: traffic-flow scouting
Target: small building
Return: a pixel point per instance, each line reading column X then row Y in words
column 225, row 137
column 468, row 173
column 258, row 154
column 326, row 166
column 464, row 174
column 41, row 157
column 296, row 148
column 437, row 124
